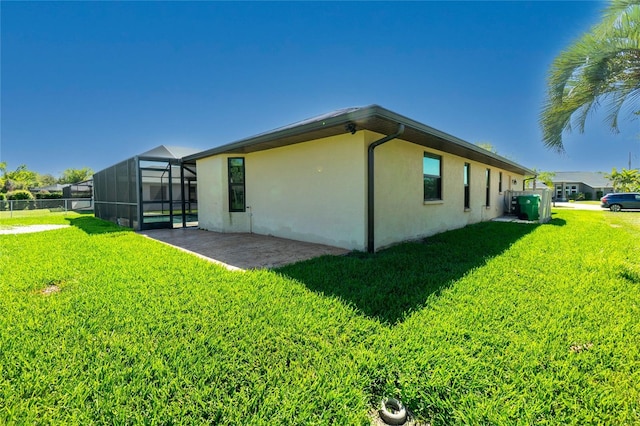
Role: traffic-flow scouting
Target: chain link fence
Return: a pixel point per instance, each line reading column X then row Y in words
column 9, row 207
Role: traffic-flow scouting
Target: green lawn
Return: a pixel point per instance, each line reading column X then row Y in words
column 593, row 202
column 35, row 215
column 497, row 323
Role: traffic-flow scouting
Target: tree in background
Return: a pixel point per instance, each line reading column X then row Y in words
column 20, row 178
column 602, row 66
column 3, row 170
column 626, row 180
column 487, row 146
column 540, row 176
column 24, row 179
column 17, row 186
column 47, row 180
column 75, row 175
column 546, row 178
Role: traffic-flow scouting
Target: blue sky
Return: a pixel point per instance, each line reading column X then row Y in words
column 93, row 83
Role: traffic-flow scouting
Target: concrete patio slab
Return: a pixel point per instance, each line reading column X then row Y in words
column 241, row 251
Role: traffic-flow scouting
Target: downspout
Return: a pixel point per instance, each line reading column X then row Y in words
column 371, row 189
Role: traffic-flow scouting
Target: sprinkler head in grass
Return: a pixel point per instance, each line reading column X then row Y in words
column 392, row 412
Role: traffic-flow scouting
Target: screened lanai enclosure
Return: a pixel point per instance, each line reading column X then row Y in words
column 155, row 189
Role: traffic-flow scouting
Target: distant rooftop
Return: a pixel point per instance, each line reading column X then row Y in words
column 593, row 179
column 171, row 152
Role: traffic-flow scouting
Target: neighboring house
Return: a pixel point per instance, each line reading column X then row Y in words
column 155, row 189
column 82, row 189
column 50, row 188
column 569, row 185
column 357, row 178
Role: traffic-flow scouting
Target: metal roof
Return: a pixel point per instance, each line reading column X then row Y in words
column 373, row 118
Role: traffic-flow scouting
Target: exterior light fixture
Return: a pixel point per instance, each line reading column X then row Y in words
column 350, row 127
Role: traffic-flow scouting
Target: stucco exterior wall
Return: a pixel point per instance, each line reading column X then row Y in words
column 213, row 198
column 400, row 210
column 317, row 192
column 313, row 191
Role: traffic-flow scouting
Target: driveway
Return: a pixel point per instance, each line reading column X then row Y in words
column 240, row 251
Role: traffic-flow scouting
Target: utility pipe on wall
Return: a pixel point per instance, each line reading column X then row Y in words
column 371, row 189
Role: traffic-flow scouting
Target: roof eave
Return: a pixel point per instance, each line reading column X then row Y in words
column 373, row 118
column 290, row 135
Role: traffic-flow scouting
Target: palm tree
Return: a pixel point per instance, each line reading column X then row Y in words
column 602, row 66
column 626, row 180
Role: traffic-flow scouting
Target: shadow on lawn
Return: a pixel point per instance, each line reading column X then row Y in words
column 92, row 225
column 394, row 282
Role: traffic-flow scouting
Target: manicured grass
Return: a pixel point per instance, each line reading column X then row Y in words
column 498, row 323
column 29, row 217
column 545, row 333
column 100, row 325
column 592, row 202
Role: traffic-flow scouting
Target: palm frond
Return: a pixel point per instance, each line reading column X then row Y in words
column 603, row 66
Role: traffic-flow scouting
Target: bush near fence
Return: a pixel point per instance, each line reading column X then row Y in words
column 20, row 194
column 19, row 199
column 46, row 195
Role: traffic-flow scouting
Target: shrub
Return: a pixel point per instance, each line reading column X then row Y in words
column 3, row 201
column 22, row 199
column 21, row 194
column 46, row 195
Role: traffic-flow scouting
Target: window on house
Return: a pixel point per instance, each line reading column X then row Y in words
column 236, row 185
column 500, row 182
column 488, row 193
column 467, row 178
column 432, row 172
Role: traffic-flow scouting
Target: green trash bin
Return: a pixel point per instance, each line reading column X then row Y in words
column 529, row 206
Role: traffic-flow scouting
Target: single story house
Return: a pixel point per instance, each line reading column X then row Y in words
column 357, row 178
column 592, row 185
